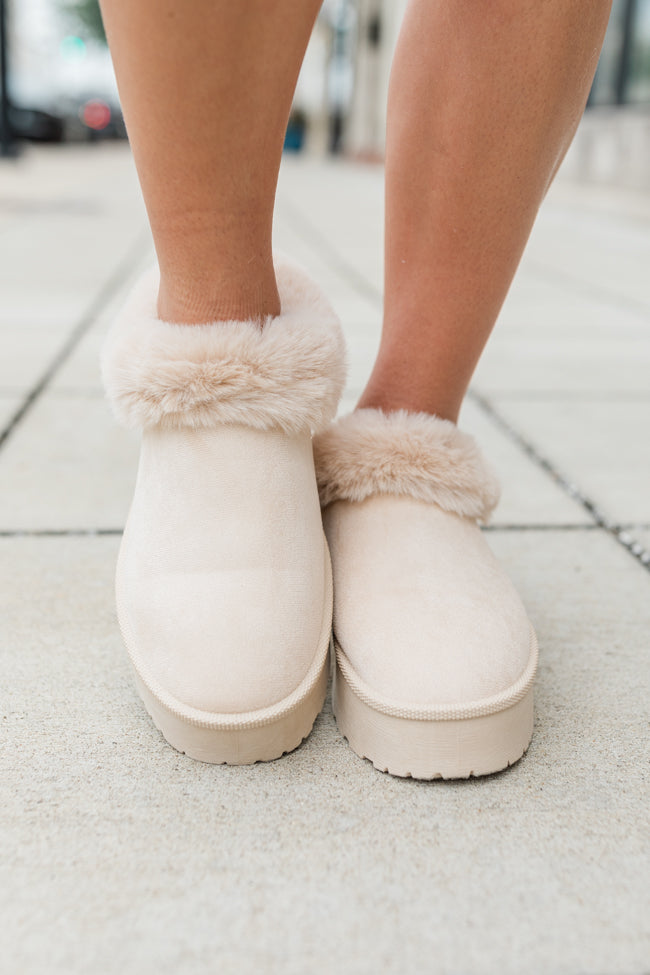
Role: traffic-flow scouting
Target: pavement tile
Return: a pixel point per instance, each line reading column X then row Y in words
column 81, row 371
column 353, row 297
column 124, row 856
column 67, row 215
column 529, row 496
column 25, row 355
column 606, row 252
column 553, row 341
column 345, row 215
column 9, row 403
column 67, row 466
column 45, row 284
column 603, row 447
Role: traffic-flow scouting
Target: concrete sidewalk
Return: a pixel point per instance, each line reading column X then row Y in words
column 120, row 855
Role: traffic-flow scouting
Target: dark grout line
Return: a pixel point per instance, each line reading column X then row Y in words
column 101, row 299
column 573, row 527
column 92, row 532
column 568, row 395
column 622, row 536
column 570, row 526
column 59, row 532
column 492, row 527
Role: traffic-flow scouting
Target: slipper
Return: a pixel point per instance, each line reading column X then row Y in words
column 435, row 655
column 224, row 591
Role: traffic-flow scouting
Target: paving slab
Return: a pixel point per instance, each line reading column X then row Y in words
column 554, row 341
column 609, row 253
column 66, row 217
column 603, row 447
column 25, row 355
column 9, row 403
column 352, row 294
column 529, row 496
column 344, row 216
column 67, row 466
column 120, row 855
column 81, row 370
column 561, row 305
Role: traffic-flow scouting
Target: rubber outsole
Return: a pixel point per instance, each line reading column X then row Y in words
column 454, row 748
column 238, row 746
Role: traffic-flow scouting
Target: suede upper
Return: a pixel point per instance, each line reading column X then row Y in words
column 424, row 614
column 423, row 611
column 221, row 579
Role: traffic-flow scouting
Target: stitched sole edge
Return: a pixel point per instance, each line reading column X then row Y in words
column 238, row 746
column 434, row 748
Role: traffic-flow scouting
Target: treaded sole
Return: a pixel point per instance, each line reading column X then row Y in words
column 238, row 746
column 441, row 749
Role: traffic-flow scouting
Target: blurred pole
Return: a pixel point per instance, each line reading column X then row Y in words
column 7, row 142
column 623, row 77
column 340, row 72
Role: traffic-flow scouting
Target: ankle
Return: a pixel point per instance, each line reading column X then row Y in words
column 193, row 302
column 389, row 396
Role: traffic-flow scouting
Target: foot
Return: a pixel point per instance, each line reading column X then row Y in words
column 224, row 591
column 435, row 653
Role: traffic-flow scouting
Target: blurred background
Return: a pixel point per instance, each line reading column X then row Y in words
column 58, row 84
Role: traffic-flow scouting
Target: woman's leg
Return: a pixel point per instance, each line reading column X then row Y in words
column 223, row 573
column 206, row 89
column 484, row 100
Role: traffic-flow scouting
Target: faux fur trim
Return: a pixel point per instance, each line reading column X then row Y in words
column 413, row 454
column 287, row 374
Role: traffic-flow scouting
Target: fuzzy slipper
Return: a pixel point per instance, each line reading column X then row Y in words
column 224, row 591
column 435, row 655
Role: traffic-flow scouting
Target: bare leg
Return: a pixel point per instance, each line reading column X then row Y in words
column 484, row 100
column 206, row 89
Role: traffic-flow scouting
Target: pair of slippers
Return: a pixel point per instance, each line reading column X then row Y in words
column 256, row 519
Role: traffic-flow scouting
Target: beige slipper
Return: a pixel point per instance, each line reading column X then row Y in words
column 435, row 655
column 224, row 591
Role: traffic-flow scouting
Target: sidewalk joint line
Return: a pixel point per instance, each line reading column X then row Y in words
column 514, row 527
column 622, row 535
column 587, row 396
column 99, row 301
column 504, row 527
column 59, row 532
